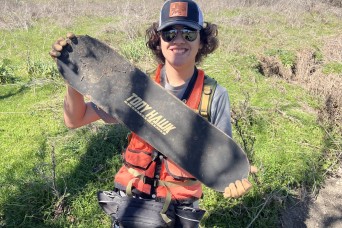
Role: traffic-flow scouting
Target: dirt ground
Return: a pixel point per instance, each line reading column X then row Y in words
column 323, row 211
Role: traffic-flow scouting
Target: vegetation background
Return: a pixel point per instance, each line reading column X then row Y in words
column 280, row 61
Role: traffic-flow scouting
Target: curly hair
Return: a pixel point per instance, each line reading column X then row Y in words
column 208, row 39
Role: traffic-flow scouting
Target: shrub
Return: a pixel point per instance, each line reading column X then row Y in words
column 39, row 69
column 6, row 72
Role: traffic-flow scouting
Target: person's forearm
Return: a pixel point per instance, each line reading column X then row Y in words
column 74, row 108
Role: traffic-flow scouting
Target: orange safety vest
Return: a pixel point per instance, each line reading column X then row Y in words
column 139, row 161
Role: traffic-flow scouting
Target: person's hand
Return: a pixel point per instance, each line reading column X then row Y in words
column 58, row 46
column 240, row 187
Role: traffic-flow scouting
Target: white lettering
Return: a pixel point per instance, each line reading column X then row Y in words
column 153, row 117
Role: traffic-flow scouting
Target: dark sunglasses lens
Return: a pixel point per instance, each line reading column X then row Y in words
column 169, row 35
column 189, row 35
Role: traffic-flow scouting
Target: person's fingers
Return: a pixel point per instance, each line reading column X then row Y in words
column 54, row 53
column 57, row 47
column 253, row 169
column 70, row 35
column 233, row 190
column 227, row 192
column 62, row 42
column 246, row 185
column 239, row 188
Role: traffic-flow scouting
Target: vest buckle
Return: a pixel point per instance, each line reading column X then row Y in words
column 151, row 181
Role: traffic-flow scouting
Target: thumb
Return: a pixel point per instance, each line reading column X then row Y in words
column 253, row 169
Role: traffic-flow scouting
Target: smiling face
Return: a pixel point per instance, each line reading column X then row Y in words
column 180, row 53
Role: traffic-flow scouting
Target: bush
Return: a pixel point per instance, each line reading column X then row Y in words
column 6, row 72
column 39, row 69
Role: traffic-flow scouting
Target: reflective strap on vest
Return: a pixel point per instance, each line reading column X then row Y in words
column 166, row 184
column 209, row 88
column 165, row 207
column 203, row 110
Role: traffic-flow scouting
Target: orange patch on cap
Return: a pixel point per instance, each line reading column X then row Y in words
column 178, row 9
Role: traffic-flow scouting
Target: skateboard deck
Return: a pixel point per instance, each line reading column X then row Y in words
column 166, row 123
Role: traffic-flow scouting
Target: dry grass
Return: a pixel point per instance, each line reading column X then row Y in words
column 331, row 47
column 272, row 66
column 24, row 13
column 292, row 9
column 328, row 87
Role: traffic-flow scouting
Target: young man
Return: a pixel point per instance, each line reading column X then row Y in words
column 179, row 41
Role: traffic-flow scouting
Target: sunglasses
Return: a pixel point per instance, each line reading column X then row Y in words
column 169, row 34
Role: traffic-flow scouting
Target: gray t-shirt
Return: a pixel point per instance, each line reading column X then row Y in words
column 220, row 107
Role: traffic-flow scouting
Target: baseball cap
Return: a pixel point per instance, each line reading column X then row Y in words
column 181, row 12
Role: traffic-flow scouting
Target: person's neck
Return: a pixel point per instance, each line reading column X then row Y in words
column 178, row 76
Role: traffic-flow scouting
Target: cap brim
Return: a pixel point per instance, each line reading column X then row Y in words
column 189, row 24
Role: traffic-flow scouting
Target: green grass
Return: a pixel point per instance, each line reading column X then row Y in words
column 31, row 132
column 28, row 116
column 46, row 167
column 333, row 68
